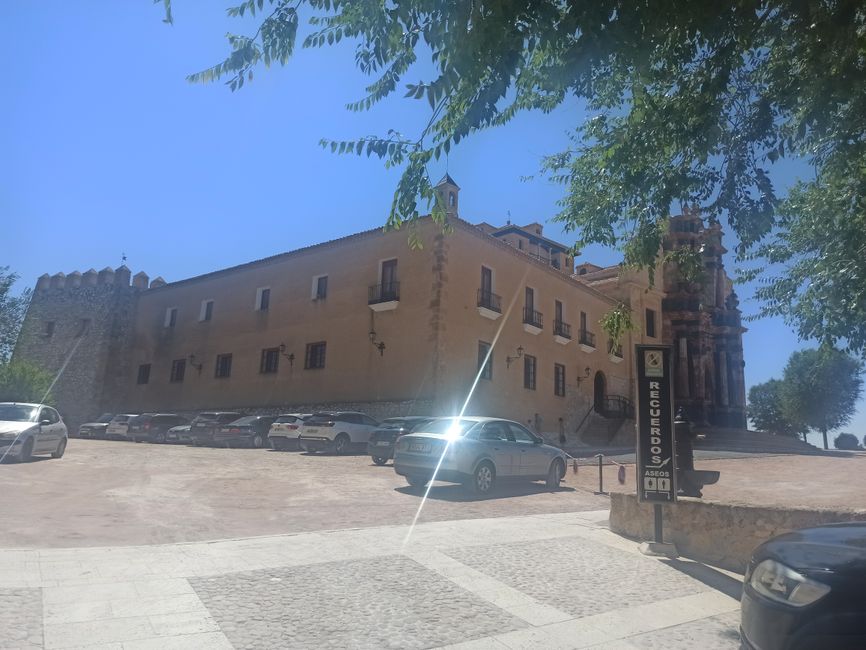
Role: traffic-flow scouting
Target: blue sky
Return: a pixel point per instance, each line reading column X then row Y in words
column 108, row 150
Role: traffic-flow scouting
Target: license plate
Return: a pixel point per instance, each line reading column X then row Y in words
column 419, row 446
column 383, row 443
column 312, row 431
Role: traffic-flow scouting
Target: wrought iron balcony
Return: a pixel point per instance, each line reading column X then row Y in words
column 562, row 329
column 586, row 338
column 489, row 300
column 385, row 292
column 533, row 318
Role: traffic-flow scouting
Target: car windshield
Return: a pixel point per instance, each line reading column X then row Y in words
column 321, row 417
column 205, row 417
column 286, row 419
column 18, row 413
column 450, row 426
column 247, row 419
column 105, row 417
column 120, row 419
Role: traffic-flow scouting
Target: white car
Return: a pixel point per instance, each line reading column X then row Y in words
column 285, row 430
column 337, row 431
column 30, row 429
column 119, row 426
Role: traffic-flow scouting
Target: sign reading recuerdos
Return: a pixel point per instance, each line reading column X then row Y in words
column 656, row 476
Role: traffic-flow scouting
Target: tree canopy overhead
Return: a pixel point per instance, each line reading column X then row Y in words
column 685, row 102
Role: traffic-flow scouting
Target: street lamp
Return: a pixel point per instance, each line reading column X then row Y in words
column 508, row 360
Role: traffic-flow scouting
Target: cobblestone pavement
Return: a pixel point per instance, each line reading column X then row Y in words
column 559, row 580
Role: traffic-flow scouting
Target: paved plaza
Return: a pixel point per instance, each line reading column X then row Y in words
column 529, row 569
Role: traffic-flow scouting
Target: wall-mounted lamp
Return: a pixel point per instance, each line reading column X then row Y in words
column 508, row 360
column 197, row 366
column 586, row 373
column 379, row 345
column 290, row 356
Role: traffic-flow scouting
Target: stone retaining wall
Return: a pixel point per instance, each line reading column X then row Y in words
column 721, row 534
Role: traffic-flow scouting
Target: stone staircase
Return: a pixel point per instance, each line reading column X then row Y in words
column 744, row 440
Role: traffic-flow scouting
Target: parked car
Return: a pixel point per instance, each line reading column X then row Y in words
column 477, row 452
column 30, row 429
column 337, row 431
column 285, row 430
column 97, row 428
column 178, row 434
column 807, row 589
column 250, row 430
column 119, row 426
column 382, row 440
column 153, row 427
column 204, row 425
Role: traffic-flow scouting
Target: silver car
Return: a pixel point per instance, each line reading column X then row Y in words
column 477, row 452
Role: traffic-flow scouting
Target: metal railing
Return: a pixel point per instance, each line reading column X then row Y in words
column 532, row 317
column 615, row 406
column 561, row 328
column 587, row 338
column 615, row 350
column 489, row 300
column 385, row 292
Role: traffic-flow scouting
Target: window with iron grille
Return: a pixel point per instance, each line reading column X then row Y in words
column 529, row 372
column 315, row 357
column 264, row 301
column 321, row 287
column 144, row 373
column 270, row 360
column 223, row 366
column 178, row 370
column 651, row 323
column 206, row 312
column 559, row 379
column 485, row 363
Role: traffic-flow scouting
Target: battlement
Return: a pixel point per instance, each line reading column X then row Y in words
column 119, row 277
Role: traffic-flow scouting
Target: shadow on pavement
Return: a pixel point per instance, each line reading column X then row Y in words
column 458, row 493
column 709, row 576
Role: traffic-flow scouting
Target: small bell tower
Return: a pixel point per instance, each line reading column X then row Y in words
column 448, row 192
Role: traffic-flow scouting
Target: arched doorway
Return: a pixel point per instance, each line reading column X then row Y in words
column 598, row 392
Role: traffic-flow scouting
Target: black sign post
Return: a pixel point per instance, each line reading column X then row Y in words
column 656, row 447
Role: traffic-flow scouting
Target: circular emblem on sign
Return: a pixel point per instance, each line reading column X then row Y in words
column 653, row 363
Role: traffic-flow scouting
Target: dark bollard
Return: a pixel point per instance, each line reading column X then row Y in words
column 689, row 480
column 600, row 474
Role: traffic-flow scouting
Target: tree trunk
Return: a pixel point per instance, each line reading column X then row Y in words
column 824, row 433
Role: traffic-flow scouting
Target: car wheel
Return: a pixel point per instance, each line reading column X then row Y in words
column 257, row 442
column 277, row 445
column 484, row 478
column 26, row 451
column 555, row 474
column 417, row 481
column 61, row 449
column 379, row 460
column 159, row 437
column 341, row 444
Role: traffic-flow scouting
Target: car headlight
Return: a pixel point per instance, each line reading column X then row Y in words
column 782, row 584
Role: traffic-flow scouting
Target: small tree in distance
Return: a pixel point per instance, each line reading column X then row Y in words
column 766, row 411
column 820, row 388
column 847, row 441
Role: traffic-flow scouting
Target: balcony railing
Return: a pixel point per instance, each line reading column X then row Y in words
column 615, row 350
column 385, row 292
column 489, row 300
column 586, row 338
column 561, row 329
column 532, row 317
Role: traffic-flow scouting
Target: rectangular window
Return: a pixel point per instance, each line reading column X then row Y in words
column 650, row 323
column 170, row 317
column 320, row 287
column 486, row 280
column 178, row 370
column 49, row 329
column 315, row 357
column 223, row 366
column 270, row 361
column 529, row 372
column 263, row 298
column 557, row 310
column 583, row 321
column 144, row 373
column 206, row 312
column 389, row 273
column 83, row 327
column 559, row 379
column 485, row 363
column 530, row 299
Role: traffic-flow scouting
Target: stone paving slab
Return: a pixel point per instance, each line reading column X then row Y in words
column 21, row 618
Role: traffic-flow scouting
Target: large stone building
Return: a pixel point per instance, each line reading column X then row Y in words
column 363, row 322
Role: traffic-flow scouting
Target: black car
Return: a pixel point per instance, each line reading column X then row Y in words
column 205, row 425
column 807, row 589
column 251, row 430
column 97, row 428
column 382, row 440
column 152, row 427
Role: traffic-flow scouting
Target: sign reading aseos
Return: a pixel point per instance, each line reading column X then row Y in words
column 656, row 476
